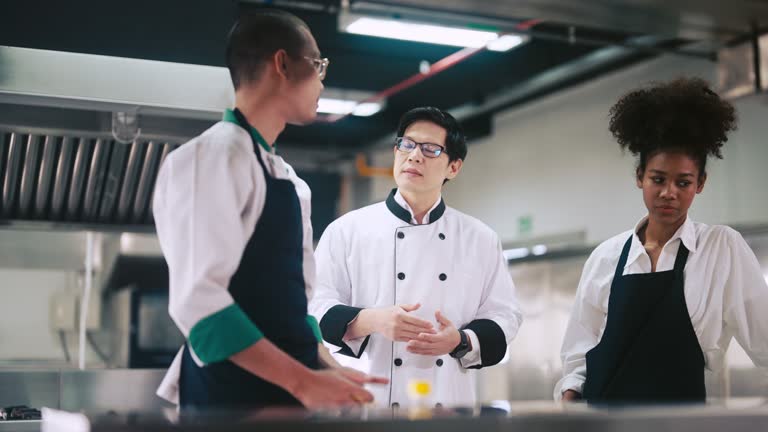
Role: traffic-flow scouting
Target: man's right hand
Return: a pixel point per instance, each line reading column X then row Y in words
column 397, row 324
column 313, row 388
column 571, row 396
column 329, row 388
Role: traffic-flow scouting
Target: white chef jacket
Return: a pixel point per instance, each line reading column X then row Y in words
column 378, row 256
column 725, row 292
column 208, row 198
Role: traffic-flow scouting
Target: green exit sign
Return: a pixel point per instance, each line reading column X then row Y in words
column 525, row 225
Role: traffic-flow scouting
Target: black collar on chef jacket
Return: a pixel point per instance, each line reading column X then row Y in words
column 405, row 215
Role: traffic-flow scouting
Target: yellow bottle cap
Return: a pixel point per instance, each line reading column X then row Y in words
column 419, row 388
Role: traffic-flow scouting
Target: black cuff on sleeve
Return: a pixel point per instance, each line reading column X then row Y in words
column 493, row 343
column 334, row 325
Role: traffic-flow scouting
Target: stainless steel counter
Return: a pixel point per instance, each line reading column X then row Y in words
column 121, row 390
column 537, row 416
column 20, row 426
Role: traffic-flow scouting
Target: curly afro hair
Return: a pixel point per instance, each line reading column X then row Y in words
column 683, row 115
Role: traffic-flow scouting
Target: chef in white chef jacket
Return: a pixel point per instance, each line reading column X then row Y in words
column 233, row 220
column 411, row 289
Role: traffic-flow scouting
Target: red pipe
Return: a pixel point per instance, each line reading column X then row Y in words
column 439, row 66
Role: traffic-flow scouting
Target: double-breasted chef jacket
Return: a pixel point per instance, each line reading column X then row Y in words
column 379, row 256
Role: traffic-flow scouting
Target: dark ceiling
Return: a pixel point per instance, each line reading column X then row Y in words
column 194, row 32
column 569, row 44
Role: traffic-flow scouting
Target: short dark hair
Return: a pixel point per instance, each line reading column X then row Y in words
column 683, row 115
column 256, row 36
column 455, row 140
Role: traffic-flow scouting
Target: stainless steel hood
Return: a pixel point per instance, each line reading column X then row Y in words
column 59, row 161
column 60, row 164
column 103, row 83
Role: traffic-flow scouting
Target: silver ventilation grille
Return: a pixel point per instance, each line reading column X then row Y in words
column 78, row 180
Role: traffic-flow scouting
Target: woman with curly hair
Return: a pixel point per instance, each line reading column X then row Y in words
column 660, row 303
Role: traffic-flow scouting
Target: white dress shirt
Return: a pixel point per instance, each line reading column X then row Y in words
column 725, row 292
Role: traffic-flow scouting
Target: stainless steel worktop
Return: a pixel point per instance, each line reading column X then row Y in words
column 752, row 415
column 122, row 390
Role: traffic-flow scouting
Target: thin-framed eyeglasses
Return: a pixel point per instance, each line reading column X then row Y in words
column 430, row 150
column 320, row 65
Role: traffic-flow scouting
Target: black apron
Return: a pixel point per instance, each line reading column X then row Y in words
column 649, row 352
column 269, row 287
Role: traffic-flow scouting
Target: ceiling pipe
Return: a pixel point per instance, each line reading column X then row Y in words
column 361, row 165
column 439, row 66
column 365, row 170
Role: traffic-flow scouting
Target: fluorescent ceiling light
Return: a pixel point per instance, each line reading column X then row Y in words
column 344, row 107
column 505, row 43
column 335, row 106
column 435, row 34
column 366, row 109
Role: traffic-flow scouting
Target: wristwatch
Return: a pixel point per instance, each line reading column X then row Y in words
column 463, row 347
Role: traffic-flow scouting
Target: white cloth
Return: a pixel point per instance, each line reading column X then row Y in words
column 358, row 259
column 208, row 198
column 725, row 292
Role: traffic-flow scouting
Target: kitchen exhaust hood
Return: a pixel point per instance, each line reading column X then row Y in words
column 60, row 161
column 114, row 84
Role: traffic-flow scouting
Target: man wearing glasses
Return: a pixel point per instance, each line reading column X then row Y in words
column 411, row 289
column 233, row 221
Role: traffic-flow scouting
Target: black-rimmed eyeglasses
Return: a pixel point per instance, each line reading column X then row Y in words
column 429, row 150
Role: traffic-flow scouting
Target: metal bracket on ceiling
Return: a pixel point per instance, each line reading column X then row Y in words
column 125, row 126
column 742, row 69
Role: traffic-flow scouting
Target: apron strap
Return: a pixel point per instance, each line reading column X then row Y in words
column 623, row 259
column 680, row 260
column 243, row 123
